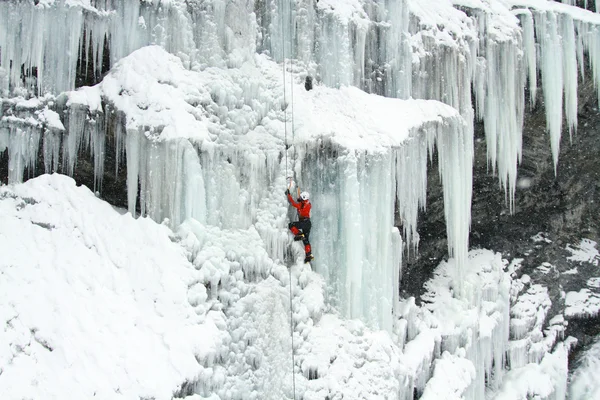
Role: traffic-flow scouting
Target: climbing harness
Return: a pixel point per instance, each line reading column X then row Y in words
column 287, row 177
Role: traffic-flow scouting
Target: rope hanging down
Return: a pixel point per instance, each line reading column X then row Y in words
column 287, row 176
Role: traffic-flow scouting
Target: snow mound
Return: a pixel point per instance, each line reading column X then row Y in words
column 95, row 303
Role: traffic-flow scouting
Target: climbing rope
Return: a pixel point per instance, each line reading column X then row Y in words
column 286, row 177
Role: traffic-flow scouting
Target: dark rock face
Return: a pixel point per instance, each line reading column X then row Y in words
column 564, row 206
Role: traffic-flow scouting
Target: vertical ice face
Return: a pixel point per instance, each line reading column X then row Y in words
column 354, row 192
column 364, row 44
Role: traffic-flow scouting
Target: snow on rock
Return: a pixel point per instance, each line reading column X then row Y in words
column 585, row 251
column 582, row 304
column 95, row 302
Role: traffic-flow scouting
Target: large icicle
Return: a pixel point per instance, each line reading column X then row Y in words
column 530, row 59
column 503, row 118
column 567, row 33
column 551, row 61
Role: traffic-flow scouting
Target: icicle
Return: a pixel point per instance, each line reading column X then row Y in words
column 581, row 29
column 530, row 59
column 552, row 76
column 455, row 149
column 98, row 139
column 567, row 31
column 503, row 119
column 132, row 145
column 23, row 146
column 51, row 151
column 76, row 130
column 411, row 184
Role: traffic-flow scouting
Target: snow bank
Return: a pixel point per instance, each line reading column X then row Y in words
column 96, row 302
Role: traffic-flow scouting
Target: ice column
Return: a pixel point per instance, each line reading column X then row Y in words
column 354, row 236
column 354, row 239
column 393, row 55
column 411, row 183
column 455, row 150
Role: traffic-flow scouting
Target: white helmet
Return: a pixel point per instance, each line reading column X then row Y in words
column 304, row 196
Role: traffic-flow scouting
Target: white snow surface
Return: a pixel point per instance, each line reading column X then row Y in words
column 95, row 303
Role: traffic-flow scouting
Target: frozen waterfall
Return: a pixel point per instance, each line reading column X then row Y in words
column 189, row 97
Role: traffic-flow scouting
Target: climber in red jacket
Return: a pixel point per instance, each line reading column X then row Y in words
column 301, row 228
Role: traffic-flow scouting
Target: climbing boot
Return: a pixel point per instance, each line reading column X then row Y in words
column 299, row 236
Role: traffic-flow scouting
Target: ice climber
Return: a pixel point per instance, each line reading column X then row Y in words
column 301, row 228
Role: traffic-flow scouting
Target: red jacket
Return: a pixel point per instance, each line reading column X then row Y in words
column 303, row 207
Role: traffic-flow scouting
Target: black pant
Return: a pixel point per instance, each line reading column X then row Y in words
column 304, row 226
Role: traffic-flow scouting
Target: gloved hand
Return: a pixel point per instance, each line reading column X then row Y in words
column 287, row 191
